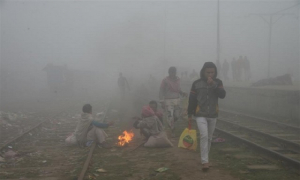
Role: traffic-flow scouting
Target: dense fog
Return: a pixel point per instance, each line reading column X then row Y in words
column 93, row 41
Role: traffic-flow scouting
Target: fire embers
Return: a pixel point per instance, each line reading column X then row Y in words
column 125, row 138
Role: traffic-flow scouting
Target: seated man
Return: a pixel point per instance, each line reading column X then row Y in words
column 152, row 128
column 89, row 130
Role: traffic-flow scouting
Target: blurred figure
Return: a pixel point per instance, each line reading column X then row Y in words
column 152, row 85
column 169, row 94
column 225, row 68
column 141, row 94
column 194, row 75
column 123, row 85
column 55, row 77
column 239, row 68
column 234, row 69
column 247, row 69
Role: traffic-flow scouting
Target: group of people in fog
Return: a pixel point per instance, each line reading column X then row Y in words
column 240, row 69
column 202, row 107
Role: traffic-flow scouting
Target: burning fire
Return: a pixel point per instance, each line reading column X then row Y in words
column 125, row 138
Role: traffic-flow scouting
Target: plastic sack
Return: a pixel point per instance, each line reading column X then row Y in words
column 160, row 140
column 188, row 139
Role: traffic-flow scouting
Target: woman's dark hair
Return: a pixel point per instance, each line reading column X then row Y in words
column 87, row 108
column 172, row 69
column 208, row 65
column 153, row 102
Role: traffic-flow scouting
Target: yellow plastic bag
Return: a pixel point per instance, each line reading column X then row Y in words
column 188, row 139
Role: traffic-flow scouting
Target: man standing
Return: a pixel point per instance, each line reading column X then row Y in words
column 169, row 95
column 225, row 69
column 247, row 69
column 123, row 85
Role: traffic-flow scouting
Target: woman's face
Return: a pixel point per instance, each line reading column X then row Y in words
column 210, row 72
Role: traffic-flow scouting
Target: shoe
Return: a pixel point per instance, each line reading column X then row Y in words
column 205, row 166
column 104, row 145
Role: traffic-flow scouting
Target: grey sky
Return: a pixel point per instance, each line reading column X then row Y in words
column 143, row 37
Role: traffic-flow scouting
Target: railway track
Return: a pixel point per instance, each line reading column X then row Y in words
column 10, row 129
column 41, row 153
column 36, row 149
column 273, row 138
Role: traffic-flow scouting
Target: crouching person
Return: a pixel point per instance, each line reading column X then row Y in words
column 89, row 130
column 152, row 128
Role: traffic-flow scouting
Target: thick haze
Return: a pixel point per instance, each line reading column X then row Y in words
column 139, row 39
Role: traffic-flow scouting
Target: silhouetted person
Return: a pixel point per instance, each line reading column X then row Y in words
column 234, row 69
column 194, row 75
column 247, row 69
column 123, row 85
column 225, row 69
column 239, row 68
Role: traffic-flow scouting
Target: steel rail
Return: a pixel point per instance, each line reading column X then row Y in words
column 20, row 136
column 296, row 145
column 293, row 162
column 262, row 119
column 87, row 162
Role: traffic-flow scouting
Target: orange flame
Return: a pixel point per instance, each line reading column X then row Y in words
column 125, row 138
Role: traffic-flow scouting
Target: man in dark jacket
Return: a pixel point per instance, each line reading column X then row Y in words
column 203, row 104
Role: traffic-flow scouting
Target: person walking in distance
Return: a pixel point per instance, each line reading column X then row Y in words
column 169, row 95
column 123, row 85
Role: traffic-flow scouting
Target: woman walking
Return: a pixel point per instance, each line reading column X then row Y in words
column 203, row 105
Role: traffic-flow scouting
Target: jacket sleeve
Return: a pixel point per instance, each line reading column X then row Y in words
column 99, row 124
column 192, row 101
column 221, row 93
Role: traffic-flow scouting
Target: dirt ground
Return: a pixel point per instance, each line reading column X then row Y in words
column 142, row 163
column 189, row 165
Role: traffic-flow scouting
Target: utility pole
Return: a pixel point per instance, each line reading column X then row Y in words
column 271, row 22
column 165, row 62
column 218, row 33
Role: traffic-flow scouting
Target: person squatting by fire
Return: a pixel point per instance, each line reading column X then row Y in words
column 151, row 126
column 89, row 130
